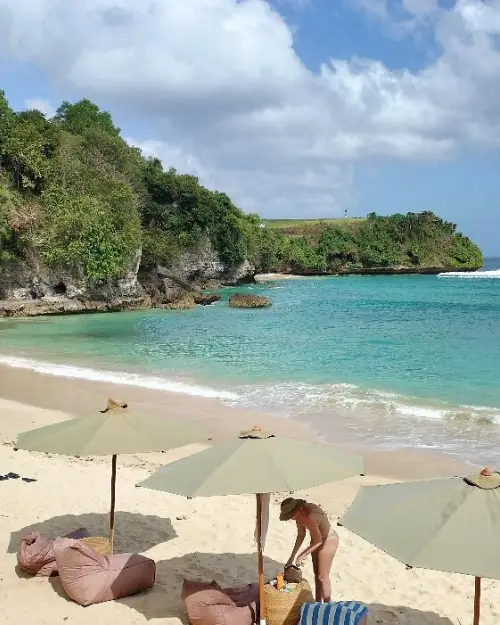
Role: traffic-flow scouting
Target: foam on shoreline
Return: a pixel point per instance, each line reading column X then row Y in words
column 115, row 377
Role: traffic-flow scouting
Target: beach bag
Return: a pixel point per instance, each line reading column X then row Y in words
column 283, row 608
column 340, row 613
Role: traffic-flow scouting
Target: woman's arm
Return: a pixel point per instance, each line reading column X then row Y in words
column 301, row 534
column 316, row 540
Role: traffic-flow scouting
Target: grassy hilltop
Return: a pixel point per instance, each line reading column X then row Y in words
column 414, row 242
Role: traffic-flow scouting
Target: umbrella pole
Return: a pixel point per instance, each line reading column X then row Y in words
column 477, row 600
column 113, row 495
column 260, row 561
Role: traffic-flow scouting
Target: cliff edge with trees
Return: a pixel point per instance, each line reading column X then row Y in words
column 88, row 221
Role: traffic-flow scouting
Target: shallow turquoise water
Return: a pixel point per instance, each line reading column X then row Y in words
column 419, row 354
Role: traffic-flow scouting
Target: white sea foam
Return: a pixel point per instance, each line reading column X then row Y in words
column 492, row 273
column 115, row 377
column 299, row 399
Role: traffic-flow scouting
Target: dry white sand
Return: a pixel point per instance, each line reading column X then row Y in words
column 267, row 277
column 200, row 538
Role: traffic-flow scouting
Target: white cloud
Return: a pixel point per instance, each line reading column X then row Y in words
column 227, row 97
column 40, row 104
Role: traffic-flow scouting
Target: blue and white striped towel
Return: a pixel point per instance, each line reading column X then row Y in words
column 341, row 613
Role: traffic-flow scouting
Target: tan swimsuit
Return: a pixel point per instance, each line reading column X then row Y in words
column 323, row 522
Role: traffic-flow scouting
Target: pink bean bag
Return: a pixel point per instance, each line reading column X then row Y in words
column 36, row 553
column 88, row 577
column 209, row 604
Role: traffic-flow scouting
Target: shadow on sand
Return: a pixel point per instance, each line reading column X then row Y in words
column 134, row 532
column 227, row 569
column 402, row 615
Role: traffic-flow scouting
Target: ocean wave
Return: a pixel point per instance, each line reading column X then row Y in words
column 491, row 273
column 283, row 399
column 116, row 377
column 298, row 399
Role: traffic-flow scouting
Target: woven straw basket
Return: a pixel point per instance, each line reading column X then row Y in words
column 100, row 544
column 283, row 608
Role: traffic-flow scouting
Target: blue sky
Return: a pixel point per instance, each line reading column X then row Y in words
column 294, row 107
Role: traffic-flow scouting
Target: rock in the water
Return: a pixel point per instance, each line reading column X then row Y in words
column 204, row 299
column 244, row 300
column 184, row 303
column 65, row 306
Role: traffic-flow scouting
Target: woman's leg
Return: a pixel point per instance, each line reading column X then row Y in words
column 325, row 558
column 317, row 585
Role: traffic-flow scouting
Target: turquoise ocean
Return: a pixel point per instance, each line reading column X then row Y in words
column 382, row 361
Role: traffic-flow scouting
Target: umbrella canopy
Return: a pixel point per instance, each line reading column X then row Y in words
column 255, row 463
column 116, row 430
column 449, row 524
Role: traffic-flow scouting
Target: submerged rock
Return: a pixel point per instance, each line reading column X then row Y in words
column 184, row 303
column 244, row 300
column 204, row 299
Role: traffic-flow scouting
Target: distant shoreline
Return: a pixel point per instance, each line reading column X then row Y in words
column 366, row 271
column 267, row 277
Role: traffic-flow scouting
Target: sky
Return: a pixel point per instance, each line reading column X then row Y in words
column 295, row 108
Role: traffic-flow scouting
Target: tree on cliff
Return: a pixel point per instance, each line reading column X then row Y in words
column 74, row 194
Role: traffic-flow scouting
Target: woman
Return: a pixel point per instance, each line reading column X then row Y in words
column 324, row 541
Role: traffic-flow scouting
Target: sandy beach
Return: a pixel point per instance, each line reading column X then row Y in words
column 269, row 277
column 205, row 538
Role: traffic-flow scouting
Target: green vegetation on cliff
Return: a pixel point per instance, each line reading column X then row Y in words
column 74, row 194
column 415, row 241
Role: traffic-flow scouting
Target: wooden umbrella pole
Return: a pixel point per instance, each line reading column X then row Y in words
column 113, row 495
column 260, row 561
column 477, row 600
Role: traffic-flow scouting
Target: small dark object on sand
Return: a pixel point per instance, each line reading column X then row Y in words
column 16, row 476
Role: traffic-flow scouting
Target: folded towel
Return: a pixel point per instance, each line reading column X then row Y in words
column 340, row 613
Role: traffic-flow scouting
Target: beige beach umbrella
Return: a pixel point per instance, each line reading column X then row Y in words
column 114, row 431
column 255, row 463
column 450, row 524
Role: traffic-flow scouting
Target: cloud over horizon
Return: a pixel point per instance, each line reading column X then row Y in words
column 228, row 98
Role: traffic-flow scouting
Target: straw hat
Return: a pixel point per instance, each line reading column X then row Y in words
column 289, row 507
column 486, row 480
column 113, row 405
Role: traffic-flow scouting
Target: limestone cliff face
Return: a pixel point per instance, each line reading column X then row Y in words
column 32, row 280
column 192, row 271
column 30, row 288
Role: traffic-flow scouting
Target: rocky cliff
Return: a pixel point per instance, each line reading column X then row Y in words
column 30, row 288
